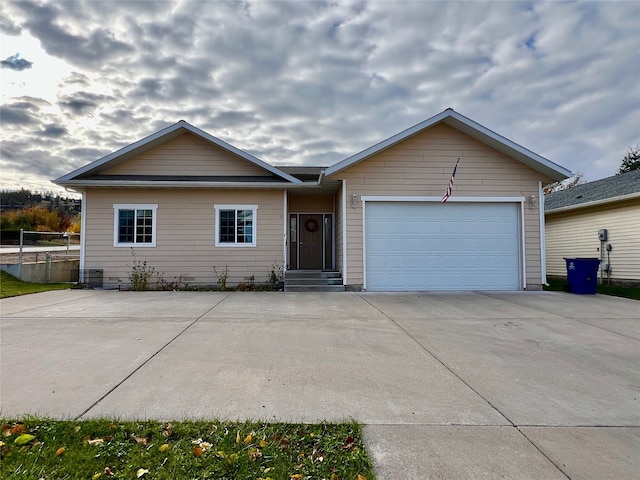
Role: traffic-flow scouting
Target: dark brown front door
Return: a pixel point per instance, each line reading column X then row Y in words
column 310, row 241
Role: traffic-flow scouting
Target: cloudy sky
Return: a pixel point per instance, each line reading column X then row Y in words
column 313, row 82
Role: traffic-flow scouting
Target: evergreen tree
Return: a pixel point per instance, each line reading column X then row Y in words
column 631, row 161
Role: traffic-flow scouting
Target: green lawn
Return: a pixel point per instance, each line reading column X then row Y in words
column 558, row 284
column 108, row 449
column 12, row 287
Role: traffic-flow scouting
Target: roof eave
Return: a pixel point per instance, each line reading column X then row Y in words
column 172, row 184
column 471, row 128
column 164, row 135
column 594, row 203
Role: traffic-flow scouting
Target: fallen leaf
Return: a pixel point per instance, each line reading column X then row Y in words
column 19, row 428
column 198, row 452
column 163, row 448
column 77, row 428
column 248, row 439
column 169, row 430
column 141, row 440
column 96, row 476
column 60, row 451
column 113, row 426
column 334, row 477
column 254, row 454
column 263, row 443
column 361, row 477
column 238, row 436
column 232, row 458
column 107, row 471
column 24, row 439
column 143, row 471
column 296, row 476
column 96, row 441
column 1, row 444
column 350, row 445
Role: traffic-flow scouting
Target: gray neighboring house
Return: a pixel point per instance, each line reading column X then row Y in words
column 574, row 218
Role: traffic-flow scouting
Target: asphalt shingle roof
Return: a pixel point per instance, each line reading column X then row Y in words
column 604, row 189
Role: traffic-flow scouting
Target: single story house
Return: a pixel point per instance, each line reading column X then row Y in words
column 186, row 202
column 598, row 219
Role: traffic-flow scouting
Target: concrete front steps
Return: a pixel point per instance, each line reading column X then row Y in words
column 313, row 281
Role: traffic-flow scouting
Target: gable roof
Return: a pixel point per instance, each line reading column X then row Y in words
column 607, row 190
column 471, row 128
column 86, row 174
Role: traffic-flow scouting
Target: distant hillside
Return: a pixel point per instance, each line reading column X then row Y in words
column 11, row 200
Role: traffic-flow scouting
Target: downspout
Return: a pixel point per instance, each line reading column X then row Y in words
column 543, row 242
column 83, row 235
column 83, row 229
column 344, row 232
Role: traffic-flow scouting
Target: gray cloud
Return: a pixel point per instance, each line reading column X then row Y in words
column 15, row 62
column 82, row 103
column 87, row 50
column 7, row 25
column 53, row 131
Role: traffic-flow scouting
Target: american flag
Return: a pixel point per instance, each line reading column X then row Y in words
column 447, row 194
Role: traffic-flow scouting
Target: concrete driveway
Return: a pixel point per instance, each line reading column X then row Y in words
column 449, row 385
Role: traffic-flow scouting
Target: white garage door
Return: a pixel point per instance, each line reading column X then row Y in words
column 435, row 246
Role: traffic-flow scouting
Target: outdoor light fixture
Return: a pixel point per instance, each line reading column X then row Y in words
column 354, row 201
column 532, row 202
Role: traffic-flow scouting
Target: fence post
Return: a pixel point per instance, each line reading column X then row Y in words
column 20, row 253
column 47, row 270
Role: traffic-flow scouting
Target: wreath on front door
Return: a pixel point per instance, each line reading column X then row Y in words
column 311, row 225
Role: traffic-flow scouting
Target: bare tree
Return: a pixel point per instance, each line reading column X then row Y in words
column 575, row 180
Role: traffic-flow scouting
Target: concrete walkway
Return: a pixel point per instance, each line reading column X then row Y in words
column 449, row 385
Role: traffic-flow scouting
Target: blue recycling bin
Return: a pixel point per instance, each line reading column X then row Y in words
column 582, row 275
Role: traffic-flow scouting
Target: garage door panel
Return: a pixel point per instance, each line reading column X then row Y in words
column 433, row 246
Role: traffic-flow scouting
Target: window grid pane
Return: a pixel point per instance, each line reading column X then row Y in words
column 227, row 226
column 125, row 226
column 245, row 226
column 144, row 226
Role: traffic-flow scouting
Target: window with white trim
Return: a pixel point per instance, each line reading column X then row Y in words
column 236, row 225
column 134, row 225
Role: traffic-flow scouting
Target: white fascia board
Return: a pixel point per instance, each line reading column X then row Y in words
column 383, row 145
column 473, row 129
column 594, row 203
column 240, row 153
column 172, row 184
column 166, row 134
column 147, row 141
column 506, row 146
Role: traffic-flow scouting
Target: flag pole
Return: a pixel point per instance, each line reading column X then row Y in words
column 449, row 190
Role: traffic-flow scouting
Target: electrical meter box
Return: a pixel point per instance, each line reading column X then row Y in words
column 602, row 235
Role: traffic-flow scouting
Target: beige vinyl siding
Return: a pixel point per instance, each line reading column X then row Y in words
column 421, row 166
column 187, row 155
column 575, row 234
column 185, row 242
